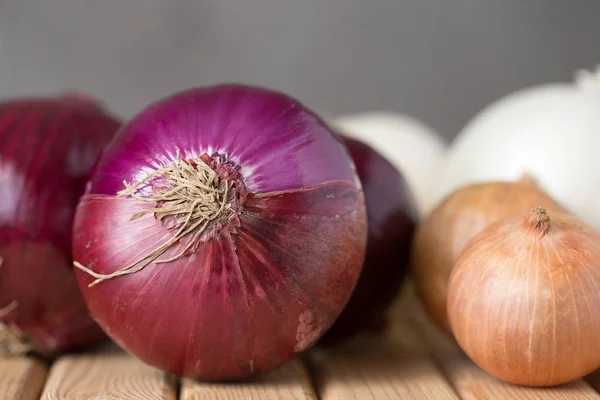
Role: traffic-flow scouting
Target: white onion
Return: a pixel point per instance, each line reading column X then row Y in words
column 551, row 132
column 411, row 146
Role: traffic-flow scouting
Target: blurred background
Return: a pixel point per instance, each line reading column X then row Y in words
column 438, row 60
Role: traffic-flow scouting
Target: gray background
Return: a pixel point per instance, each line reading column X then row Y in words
column 438, row 60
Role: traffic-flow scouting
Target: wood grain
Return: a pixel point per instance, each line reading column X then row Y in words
column 288, row 382
column 107, row 377
column 21, row 378
column 470, row 381
column 473, row 383
column 378, row 368
column 413, row 360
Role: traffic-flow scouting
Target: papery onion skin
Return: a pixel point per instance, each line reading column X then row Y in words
column 48, row 147
column 411, row 146
column 462, row 215
column 256, row 291
column 392, row 216
column 550, row 130
column 523, row 299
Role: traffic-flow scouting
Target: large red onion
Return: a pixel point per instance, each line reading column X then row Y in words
column 392, row 215
column 47, row 148
column 261, row 272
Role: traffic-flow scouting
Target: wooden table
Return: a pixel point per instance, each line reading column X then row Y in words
column 412, row 361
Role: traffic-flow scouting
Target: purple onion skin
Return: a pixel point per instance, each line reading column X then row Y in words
column 260, row 289
column 276, row 141
column 392, row 216
column 48, row 147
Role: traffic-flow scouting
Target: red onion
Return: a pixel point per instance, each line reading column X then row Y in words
column 392, row 215
column 48, row 147
column 224, row 228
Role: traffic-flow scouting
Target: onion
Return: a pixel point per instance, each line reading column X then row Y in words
column 222, row 233
column 458, row 219
column 392, row 216
column 412, row 147
column 523, row 299
column 49, row 146
column 551, row 132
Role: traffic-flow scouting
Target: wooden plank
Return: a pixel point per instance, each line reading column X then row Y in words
column 471, row 382
column 21, row 378
column 378, row 368
column 288, row 382
column 109, row 376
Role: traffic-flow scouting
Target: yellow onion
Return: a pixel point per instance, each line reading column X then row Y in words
column 523, row 300
column 454, row 222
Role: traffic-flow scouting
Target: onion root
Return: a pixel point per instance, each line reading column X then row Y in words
column 12, row 341
column 190, row 196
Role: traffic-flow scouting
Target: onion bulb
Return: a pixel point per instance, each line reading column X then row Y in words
column 523, row 299
column 551, row 132
column 415, row 149
column 453, row 223
column 222, row 233
column 48, row 147
column 392, row 216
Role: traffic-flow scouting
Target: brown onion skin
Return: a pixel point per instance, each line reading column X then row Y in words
column 392, row 216
column 524, row 305
column 446, row 231
column 48, row 148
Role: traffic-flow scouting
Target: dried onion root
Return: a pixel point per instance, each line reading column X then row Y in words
column 191, row 194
